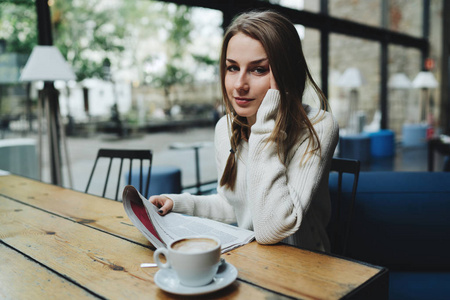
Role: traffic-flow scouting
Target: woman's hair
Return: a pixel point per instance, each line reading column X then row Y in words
column 282, row 45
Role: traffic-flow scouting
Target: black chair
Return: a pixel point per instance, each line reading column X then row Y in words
column 111, row 154
column 341, row 217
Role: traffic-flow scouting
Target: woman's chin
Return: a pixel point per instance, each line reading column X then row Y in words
column 245, row 113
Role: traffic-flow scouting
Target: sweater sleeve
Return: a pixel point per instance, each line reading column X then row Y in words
column 281, row 194
column 214, row 206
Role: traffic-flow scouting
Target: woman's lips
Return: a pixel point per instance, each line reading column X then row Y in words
column 242, row 101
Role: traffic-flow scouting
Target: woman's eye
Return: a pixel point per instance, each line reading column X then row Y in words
column 260, row 70
column 232, row 68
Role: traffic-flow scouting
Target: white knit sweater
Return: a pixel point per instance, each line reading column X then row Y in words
column 277, row 202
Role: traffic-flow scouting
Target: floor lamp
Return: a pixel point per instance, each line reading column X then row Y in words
column 47, row 64
column 400, row 82
column 424, row 80
column 352, row 79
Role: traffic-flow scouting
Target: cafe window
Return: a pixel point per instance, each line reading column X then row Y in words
column 168, row 65
column 403, row 99
column 309, row 5
column 363, row 56
column 311, row 50
column 312, row 5
column 365, row 12
column 405, row 16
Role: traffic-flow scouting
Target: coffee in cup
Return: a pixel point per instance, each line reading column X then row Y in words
column 195, row 260
column 194, row 245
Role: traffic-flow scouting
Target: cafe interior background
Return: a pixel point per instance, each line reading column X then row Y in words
column 144, row 74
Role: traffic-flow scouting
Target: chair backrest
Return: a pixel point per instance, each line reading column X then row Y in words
column 339, row 226
column 119, row 154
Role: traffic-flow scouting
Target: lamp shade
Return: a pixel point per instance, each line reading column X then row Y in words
column 46, row 63
column 425, row 79
column 399, row 81
column 351, row 78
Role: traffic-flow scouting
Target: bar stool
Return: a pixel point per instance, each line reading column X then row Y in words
column 414, row 135
column 355, row 147
column 163, row 180
column 382, row 143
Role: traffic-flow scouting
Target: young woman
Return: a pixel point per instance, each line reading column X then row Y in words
column 273, row 152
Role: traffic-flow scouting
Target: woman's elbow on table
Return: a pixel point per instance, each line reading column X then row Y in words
column 272, row 237
column 271, row 232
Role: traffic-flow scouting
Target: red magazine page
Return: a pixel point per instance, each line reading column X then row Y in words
column 141, row 213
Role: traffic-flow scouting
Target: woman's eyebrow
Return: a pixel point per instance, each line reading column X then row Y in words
column 258, row 61
column 253, row 62
column 231, row 60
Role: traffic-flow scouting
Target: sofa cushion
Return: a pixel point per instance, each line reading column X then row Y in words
column 419, row 285
column 401, row 219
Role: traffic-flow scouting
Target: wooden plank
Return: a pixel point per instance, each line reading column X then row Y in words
column 104, row 264
column 97, row 212
column 315, row 275
column 36, row 282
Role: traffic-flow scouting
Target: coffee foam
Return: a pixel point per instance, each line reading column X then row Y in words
column 194, row 245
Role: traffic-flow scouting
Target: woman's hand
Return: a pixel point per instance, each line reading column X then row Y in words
column 164, row 204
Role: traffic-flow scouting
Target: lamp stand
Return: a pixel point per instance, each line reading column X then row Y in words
column 423, row 105
column 48, row 101
column 62, row 133
column 352, row 111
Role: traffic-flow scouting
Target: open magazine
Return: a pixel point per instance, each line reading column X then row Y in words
column 161, row 230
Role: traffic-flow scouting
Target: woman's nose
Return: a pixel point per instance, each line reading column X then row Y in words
column 241, row 82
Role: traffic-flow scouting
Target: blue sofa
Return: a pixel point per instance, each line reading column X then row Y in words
column 402, row 222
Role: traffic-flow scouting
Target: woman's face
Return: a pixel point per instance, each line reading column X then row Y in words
column 247, row 77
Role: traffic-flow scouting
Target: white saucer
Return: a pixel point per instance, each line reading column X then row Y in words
column 167, row 280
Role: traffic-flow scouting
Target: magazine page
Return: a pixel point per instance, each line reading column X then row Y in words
column 174, row 225
column 136, row 211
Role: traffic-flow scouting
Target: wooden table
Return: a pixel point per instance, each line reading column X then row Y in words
column 59, row 243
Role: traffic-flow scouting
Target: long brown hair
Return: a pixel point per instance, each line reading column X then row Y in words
column 282, row 44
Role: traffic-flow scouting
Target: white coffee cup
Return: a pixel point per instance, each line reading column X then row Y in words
column 195, row 259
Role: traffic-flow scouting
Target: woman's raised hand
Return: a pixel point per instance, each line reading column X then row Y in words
column 164, row 204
